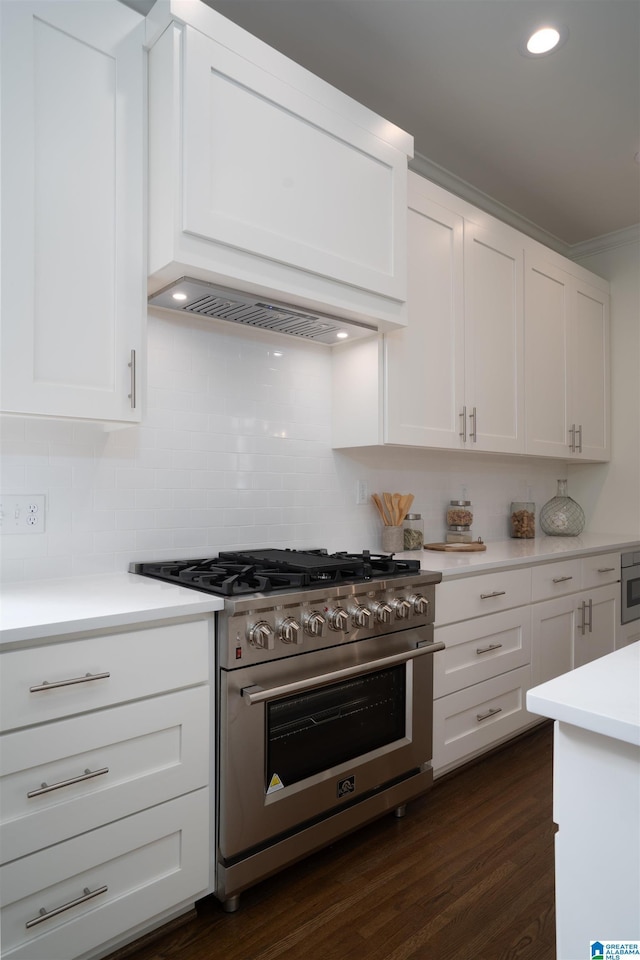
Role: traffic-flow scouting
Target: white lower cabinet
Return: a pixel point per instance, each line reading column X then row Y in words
column 472, row 720
column 99, row 884
column 104, row 787
column 570, row 631
column 507, row 631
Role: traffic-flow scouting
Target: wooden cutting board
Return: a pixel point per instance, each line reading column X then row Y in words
column 456, row 547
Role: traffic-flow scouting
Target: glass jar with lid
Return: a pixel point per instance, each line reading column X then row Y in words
column 459, row 521
column 413, row 532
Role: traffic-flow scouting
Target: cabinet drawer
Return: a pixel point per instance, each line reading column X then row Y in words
column 103, row 670
column 479, row 649
column 140, row 753
column 471, row 720
column 475, row 596
column 550, row 580
column 148, row 863
column 604, row 568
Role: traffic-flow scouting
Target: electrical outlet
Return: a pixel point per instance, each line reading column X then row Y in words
column 22, row 513
column 362, row 491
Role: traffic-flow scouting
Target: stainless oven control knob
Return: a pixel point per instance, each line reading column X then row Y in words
column 314, row 624
column 361, row 616
column 290, row 631
column 260, row 635
column 402, row 608
column 339, row 619
column 382, row 611
column 420, row 603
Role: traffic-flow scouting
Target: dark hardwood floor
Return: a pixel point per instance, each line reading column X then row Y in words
column 466, row 875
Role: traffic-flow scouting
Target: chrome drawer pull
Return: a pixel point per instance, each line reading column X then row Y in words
column 47, row 914
column 492, row 646
column 132, row 367
column 48, row 787
column 490, row 713
column 46, row 685
column 561, row 579
column 463, row 432
column 606, row 569
column 496, row 593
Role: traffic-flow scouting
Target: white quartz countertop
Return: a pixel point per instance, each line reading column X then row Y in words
column 501, row 554
column 30, row 610
column 602, row 696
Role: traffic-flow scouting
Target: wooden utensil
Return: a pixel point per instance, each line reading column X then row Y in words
column 456, row 547
column 378, row 502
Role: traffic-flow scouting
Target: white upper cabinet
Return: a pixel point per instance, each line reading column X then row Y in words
column 567, row 362
column 266, row 179
column 453, row 379
column 494, row 334
column 73, row 122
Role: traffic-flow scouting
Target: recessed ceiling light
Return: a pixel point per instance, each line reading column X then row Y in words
column 179, row 296
column 544, row 40
column 342, row 334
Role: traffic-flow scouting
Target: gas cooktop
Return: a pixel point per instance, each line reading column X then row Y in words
column 232, row 573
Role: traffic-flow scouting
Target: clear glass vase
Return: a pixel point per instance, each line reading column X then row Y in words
column 561, row 516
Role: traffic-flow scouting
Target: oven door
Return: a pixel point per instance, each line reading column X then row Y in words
column 306, row 735
column 630, row 606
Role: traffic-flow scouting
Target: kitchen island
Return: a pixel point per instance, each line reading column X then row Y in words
column 596, row 799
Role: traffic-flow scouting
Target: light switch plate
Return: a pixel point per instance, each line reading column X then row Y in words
column 22, row 513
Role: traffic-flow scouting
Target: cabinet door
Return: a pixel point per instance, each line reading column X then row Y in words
column 494, row 352
column 424, row 363
column 589, row 371
column 547, row 300
column 264, row 178
column 553, row 626
column 597, row 621
column 72, row 208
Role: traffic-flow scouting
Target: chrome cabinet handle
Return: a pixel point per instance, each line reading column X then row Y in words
column 492, row 646
column 590, row 622
column 496, row 593
column 47, row 685
column 572, row 442
column 48, row 787
column 587, row 622
column 578, row 444
column 48, row 914
column 490, row 713
column 463, row 432
column 258, row 694
column 132, row 367
column 606, row 569
column 474, row 433
column 560, row 579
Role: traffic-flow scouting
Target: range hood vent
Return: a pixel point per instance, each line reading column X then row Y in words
column 208, row 300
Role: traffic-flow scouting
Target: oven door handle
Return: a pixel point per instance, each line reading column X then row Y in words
column 257, row 694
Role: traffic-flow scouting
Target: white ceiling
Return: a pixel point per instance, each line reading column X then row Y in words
column 552, row 139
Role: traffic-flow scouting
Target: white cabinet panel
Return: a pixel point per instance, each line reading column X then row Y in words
column 555, row 579
column 264, row 178
column 479, row 595
column 567, row 363
column 469, row 721
column 478, row 649
column 143, row 865
column 494, row 348
column 136, row 664
column 140, row 752
column 72, row 220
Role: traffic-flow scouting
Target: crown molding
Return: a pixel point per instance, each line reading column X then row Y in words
column 589, row 248
column 466, row 191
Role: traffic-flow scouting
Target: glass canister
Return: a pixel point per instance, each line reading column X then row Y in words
column 561, row 516
column 413, row 532
column 459, row 520
column 523, row 520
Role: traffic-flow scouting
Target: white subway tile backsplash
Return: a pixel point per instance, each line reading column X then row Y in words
column 234, row 452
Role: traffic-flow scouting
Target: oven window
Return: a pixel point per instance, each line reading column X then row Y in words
column 633, row 592
column 313, row 731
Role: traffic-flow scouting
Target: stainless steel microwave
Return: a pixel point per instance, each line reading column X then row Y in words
column 630, row 577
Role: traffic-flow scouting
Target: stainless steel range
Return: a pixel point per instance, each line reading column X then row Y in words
column 324, row 701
